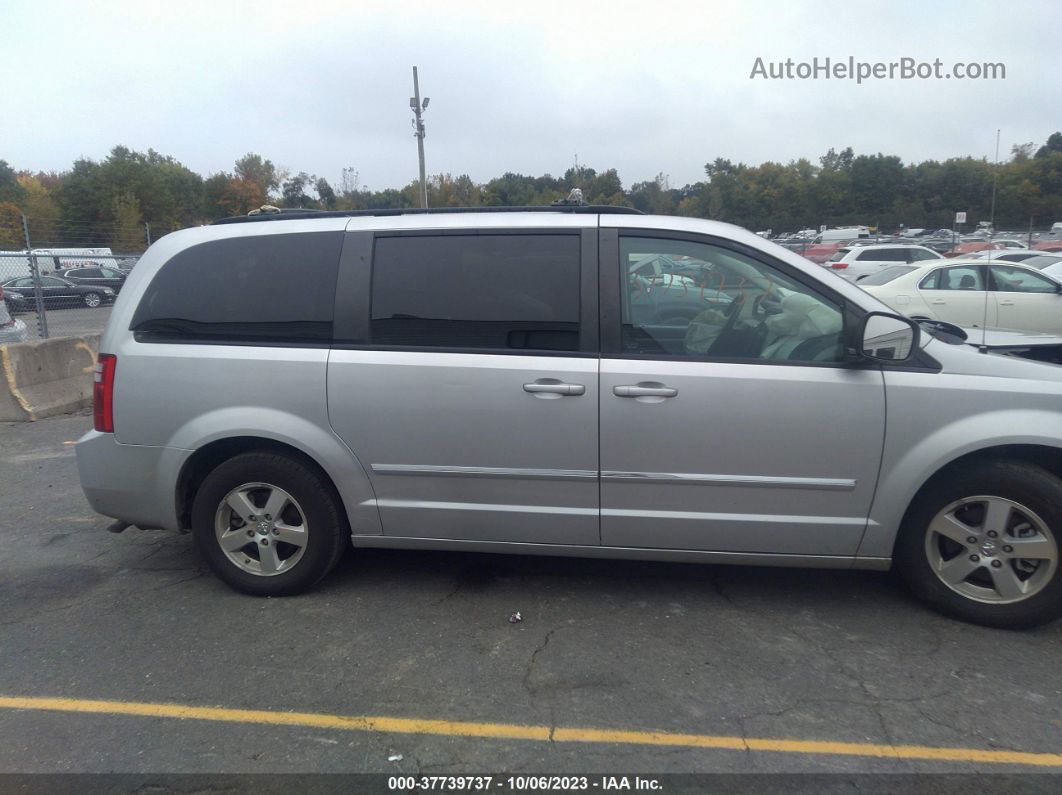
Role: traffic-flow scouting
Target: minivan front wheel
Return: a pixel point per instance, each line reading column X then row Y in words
column 267, row 524
column 982, row 545
column 91, row 300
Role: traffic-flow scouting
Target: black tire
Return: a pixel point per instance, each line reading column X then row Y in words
column 1026, row 484
column 327, row 530
column 92, row 300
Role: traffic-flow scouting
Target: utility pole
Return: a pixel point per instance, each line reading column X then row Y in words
column 995, row 178
column 418, row 108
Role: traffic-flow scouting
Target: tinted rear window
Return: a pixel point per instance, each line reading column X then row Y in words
column 262, row 288
column 476, row 291
column 885, row 255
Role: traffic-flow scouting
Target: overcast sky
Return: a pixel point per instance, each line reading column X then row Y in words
column 645, row 87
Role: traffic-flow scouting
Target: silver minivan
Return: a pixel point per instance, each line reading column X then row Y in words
column 285, row 384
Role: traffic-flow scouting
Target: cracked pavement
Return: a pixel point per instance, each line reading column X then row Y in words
column 768, row 653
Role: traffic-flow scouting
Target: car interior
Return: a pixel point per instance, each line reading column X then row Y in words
column 738, row 308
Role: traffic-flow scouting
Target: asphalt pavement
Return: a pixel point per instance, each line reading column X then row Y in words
column 788, row 670
column 67, row 322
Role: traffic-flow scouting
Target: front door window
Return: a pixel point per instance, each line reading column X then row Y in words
column 685, row 299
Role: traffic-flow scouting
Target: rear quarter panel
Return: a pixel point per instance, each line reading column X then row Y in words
column 184, row 396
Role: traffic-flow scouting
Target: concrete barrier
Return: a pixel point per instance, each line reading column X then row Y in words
column 41, row 379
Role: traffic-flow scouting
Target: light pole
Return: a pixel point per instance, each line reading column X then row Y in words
column 418, row 108
column 995, row 179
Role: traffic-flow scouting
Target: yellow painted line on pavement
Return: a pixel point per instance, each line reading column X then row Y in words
column 511, row 731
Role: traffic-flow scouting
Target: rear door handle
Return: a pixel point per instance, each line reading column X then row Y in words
column 642, row 390
column 938, row 302
column 551, row 386
column 1006, row 303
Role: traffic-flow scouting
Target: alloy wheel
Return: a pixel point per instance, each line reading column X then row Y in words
column 261, row 529
column 991, row 549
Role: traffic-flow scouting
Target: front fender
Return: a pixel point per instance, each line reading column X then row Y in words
column 907, row 464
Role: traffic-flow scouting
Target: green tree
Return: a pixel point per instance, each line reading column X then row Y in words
column 1054, row 144
column 254, row 169
column 42, row 213
column 169, row 195
column 510, row 190
column 654, row 196
column 325, row 194
column 128, row 231
column 293, row 191
column 11, row 236
column 10, row 190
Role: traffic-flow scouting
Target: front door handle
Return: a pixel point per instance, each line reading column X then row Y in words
column 644, row 390
column 551, row 386
column 1006, row 303
column 938, row 302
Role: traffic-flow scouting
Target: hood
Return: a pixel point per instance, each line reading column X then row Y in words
column 998, row 358
column 992, row 338
column 1012, row 338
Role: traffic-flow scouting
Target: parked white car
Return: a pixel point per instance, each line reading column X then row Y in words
column 1051, row 264
column 973, row 293
column 1012, row 255
column 856, row 262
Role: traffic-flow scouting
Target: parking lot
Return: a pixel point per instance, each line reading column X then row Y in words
column 615, row 666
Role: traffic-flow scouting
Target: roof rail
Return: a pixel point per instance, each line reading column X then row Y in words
column 294, row 213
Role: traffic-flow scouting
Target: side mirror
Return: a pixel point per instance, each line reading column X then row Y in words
column 888, row 338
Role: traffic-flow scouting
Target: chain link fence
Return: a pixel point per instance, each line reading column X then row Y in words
column 62, row 281
column 62, row 295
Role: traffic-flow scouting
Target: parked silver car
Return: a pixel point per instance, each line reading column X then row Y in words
column 285, row 384
column 11, row 329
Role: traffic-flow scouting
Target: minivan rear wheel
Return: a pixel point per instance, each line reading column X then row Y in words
column 982, row 544
column 267, row 524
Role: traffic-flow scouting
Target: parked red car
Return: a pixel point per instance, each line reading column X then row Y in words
column 963, row 249
column 820, row 252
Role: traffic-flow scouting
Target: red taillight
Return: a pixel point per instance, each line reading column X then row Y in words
column 103, row 393
column 838, row 265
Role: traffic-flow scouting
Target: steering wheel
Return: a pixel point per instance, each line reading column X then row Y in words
column 733, row 312
column 766, row 304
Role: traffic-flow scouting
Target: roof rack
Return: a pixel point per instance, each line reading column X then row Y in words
column 291, row 214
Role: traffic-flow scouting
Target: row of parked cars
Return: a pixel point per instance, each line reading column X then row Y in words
column 819, row 246
column 88, row 287
column 1002, row 287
